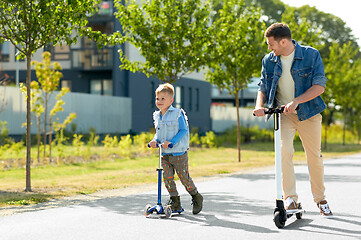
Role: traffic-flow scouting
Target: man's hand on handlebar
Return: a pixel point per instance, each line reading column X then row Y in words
column 259, row 112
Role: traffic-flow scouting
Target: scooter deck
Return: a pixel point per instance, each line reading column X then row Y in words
column 294, row 211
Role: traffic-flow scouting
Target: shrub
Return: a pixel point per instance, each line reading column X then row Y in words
column 194, row 140
column 110, row 142
column 125, row 145
column 209, row 140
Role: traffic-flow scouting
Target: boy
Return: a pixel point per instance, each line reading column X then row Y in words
column 172, row 128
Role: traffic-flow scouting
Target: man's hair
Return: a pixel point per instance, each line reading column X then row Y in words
column 278, row 31
column 166, row 88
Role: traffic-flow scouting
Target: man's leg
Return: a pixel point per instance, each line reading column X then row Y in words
column 288, row 131
column 310, row 134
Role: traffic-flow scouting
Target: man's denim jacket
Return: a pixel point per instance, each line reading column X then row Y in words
column 307, row 70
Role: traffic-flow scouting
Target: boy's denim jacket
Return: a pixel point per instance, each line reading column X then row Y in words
column 307, row 70
column 167, row 127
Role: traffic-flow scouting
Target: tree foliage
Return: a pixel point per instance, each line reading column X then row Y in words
column 30, row 25
column 170, row 35
column 238, row 47
column 344, row 80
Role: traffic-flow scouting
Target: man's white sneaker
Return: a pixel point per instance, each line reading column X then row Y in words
column 290, row 205
column 324, row 209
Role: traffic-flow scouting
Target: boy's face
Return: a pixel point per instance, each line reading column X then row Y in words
column 163, row 101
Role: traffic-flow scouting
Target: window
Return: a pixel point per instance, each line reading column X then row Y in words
column 96, row 87
column 197, row 99
column 108, row 87
column 61, row 52
column 4, row 51
column 101, row 87
column 105, row 8
column 66, row 84
column 178, row 97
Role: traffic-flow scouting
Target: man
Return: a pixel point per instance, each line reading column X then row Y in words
column 293, row 76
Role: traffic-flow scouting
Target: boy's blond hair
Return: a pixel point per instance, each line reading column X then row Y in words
column 166, row 88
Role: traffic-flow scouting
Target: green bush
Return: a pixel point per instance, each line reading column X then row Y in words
column 141, row 141
column 209, row 140
column 335, row 134
column 248, row 134
column 194, row 140
column 110, row 142
column 3, row 133
column 125, row 146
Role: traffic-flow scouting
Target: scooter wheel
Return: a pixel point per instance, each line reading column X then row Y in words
column 168, row 211
column 299, row 215
column 277, row 219
column 146, row 210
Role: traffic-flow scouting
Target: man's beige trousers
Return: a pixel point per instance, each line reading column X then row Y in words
column 310, row 134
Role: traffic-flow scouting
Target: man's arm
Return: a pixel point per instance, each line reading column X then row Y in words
column 311, row 93
column 259, row 109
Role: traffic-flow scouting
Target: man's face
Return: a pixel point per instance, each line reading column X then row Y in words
column 163, row 101
column 276, row 46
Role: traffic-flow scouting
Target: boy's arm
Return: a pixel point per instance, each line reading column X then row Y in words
column 154, row 141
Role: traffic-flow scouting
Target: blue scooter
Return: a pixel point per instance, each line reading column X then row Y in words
column 159, row 209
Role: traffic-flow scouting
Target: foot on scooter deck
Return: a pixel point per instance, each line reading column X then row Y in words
column 159, row 209
column 297, row 211
column 281, row 214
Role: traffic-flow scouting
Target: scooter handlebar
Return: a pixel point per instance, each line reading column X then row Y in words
column 273, row 110
column 170, row 145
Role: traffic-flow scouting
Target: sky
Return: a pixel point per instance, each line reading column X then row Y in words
column 347, row 10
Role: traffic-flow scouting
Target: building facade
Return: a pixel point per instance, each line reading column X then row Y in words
column 87, row 69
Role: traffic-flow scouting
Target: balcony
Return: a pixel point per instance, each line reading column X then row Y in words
column 92, row 59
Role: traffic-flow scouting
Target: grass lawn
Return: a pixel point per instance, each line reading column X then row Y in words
column 54, row 181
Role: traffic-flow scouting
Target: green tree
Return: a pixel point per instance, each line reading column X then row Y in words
column 238, row 46
column 344, row 82
column 30, row 25
column 331, row 28
column 302, row 30
column 48, row 75
column 171, row 35
column 37, row 108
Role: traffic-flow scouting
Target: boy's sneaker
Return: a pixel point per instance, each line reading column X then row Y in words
column 197, row 202
column 175, row 203
column 290, row 205
column 324, row 209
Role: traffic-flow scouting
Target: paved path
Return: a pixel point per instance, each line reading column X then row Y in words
column 238, row 206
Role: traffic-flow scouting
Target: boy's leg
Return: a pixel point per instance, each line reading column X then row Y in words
column 310, row 134
column 180, row 164
column 288, row 131
column 168, row 176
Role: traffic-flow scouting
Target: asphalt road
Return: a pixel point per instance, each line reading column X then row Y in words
column 238, row 206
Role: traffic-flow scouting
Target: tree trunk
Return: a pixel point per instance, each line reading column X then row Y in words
column 238, row 128
column 45, row 121
column 38, row 137
column 50, row 138
column 344, row 128
column 28, row 124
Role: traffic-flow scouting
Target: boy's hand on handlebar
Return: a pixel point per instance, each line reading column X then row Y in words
column 259, row 112
column 165, row 144
column 153, row 144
